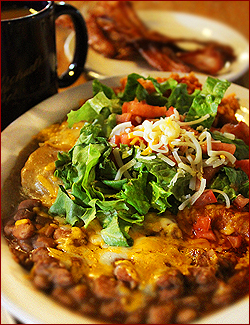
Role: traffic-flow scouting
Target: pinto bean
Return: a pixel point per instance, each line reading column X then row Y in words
column 185, row 315
column 62, row 296
column 62, row 277
column 39, row 254
column 41, row 220
column 25, row 245
column 42, row 282
column 190, row 301
column 124, row 271
column 61, row 232
column 205, row 278
column 29, row 204
column 202, row 275
column 43, row 241
column 173, row 278
column 78, row 292
column 223, row 295
column 24, row 214
column 43, row 266
column 171, row 293
column 89, row 308
column 111, row 309
column 161, row 314
column 8, row 228
column 49, row 231
column 171, row 285
column 239, row 280
column 23, row 229
column 105, row 287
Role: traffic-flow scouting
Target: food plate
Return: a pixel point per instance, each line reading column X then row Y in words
column 6, row 318
column 19, row 296
column 182, row 25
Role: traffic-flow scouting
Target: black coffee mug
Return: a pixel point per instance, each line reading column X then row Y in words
column 28, row 54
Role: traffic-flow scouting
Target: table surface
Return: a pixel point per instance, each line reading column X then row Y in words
column 227, row 12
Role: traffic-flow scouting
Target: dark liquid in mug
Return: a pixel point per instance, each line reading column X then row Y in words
column 17, row 13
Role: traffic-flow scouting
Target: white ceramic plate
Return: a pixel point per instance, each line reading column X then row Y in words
column 6, row 317
column 174, row 24
column 19, row 296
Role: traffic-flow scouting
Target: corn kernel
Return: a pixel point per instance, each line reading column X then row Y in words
column 21, row 222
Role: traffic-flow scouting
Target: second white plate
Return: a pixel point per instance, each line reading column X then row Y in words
column 173, row 24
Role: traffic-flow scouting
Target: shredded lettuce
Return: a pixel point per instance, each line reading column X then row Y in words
column 231, row 181
column 207, row 101
column 88, row 170
column 99, row 107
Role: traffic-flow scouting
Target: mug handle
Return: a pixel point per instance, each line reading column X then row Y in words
column 75, row 69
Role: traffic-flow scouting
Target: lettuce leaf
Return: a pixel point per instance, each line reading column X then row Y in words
column 159, row 197
column 94, row 109
column 231, row 181
column 114, row 234
column 181, row 99
column 64, row 206
column 207, row 101
column 134, row 193
column 98, row 87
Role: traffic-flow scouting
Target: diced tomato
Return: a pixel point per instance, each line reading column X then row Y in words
column 125, row 117
column 143, row 109
column 220, row 146
column 202, row 223
column 115, row 139
column 170, row 111
column 240, row 201
column 209, row 235
column 201, row 228
column 240, row 130
column 124, row 138
column 207, row 197
column 235, row 241
column 243, row 164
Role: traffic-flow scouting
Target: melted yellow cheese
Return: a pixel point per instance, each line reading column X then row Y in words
column 147, row 259
column 60, row 136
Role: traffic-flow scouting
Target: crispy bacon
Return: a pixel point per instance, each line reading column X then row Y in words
column 116, row 31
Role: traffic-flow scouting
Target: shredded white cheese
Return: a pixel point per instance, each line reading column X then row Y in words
column 120, row 128
column 124, row 168
column 120, row 164
column 192, row 199
column 165, row 137
column 203, row 118
column 225, row 196
column 230, row 136
column 166, row 159
column 214, row 153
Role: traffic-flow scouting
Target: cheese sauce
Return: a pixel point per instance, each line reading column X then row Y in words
column 148, row 258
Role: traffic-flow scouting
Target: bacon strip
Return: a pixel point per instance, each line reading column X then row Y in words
column 116, row 31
